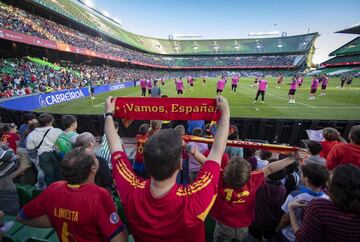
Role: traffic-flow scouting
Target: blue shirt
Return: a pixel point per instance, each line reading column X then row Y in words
column 192, row 124
column 22, row 131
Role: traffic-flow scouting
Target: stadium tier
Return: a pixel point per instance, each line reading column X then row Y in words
column 84, row 15
column 343, row 60
column 353, row 47
column 107, row 135
column 347, row 55
column 285, row 52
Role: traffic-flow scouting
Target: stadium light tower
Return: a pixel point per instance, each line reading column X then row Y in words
column 264, row 34
column 89, row 3
column 185, row 36
column 216, row 46
column 106, row 13
column 258, row 45
column 195, row 47
column 236, row 45
column 176, row 47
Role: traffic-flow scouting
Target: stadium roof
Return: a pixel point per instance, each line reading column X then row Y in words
column 354, row 29
column 350, row 48
column 82, row 14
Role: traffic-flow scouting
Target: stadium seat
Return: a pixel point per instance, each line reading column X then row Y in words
column 36, row 192
column 25, row 193
column 53, row 238
column 209, row 228
column 35, row 234
column 131, row 238
column 16, row 227
column 121, row 211
column 36, row 240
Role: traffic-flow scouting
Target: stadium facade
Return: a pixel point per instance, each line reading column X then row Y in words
column 346, row 59
column 292, row 53
column 67, row 30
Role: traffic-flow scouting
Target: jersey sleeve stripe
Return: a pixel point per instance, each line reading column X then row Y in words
column 129, row 176
column 195, row 187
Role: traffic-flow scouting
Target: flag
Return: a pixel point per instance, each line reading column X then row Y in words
column 316, row 135
column 139, row 108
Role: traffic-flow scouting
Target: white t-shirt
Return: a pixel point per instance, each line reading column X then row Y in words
column 35, row 137
column 260, row 164
column 303, row 193
column 195, row 166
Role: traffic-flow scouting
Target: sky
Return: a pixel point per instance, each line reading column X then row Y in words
column 236, row 19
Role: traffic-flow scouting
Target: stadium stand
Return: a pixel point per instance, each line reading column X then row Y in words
column 285, row 52
column 22, row 76
column 346, row 59
column 76, row 12
column 141, row 56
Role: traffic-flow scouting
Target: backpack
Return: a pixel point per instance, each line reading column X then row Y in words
column 63, row 144
column 8, row 162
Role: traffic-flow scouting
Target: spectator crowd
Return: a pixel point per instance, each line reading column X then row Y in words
column 22, row 76
column 18, row 20
column 170, row 187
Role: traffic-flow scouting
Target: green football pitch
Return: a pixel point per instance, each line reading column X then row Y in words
column 338, row 104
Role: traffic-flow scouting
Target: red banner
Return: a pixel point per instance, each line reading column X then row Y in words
column 27, row 39
column 139, row 108
column 246, row 144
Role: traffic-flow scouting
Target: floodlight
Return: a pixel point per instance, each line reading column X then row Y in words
column 89, row 3
column 105, row 13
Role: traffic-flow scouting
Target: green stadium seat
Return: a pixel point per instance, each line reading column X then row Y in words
column 24, row 192
column 53, row 237
column 131, row 238
column 121, row 212
column 36, row 240
column 209, row 228
column 36, row 234
column 35, row 193
column 16, row 227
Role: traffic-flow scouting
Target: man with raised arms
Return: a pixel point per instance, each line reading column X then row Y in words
column 167, row 211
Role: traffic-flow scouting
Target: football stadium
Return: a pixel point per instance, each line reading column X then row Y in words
column 111, row 135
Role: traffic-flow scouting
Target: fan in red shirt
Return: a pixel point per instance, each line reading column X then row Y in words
column 78, row 209
column 27, row 90
column 332, row 137
column 234, row 208
column 141, row 138
column 342, row 154
column 9, row 136
column 224, row 159
column 158, row 209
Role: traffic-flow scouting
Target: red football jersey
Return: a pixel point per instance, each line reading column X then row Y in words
column 178, row 216
column 224, row 160
column 78, row 213
column 236, row 207
column 140, row 142
column 10, row 140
